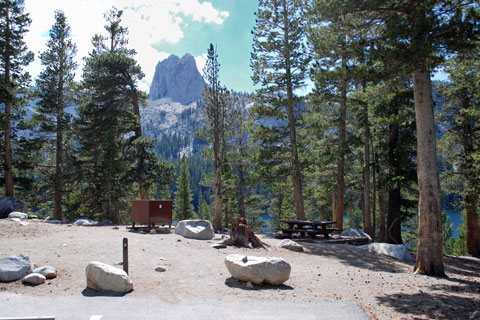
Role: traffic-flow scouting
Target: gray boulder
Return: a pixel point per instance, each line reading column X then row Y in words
column 47, row 271
column 102, row 277
column 17, row 214
column 34, row 279
column 195, row 229
column 15, row 268
column 355, row 234
column 274, row 271
column 85, row 222
column 10, row 204
column 290, row 245
column 397, row 251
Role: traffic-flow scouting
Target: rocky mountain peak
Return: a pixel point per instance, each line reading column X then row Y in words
column 177, row 79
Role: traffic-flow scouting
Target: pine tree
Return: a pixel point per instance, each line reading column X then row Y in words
column 279, row 62
column 183, row 208
column 217, row 105
column 14, row 56
column 54, row 89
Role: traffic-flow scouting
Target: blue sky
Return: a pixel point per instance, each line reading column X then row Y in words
column 157, row 29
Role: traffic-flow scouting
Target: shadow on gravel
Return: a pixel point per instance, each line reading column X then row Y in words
column 91, row 293
column 352, row 256
column 433, row 306
column 234, row 283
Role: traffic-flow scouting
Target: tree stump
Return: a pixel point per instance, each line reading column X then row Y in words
column 241, row 235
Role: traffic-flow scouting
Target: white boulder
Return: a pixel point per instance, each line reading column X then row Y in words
column 17, row 214
column 105, row 278
column 195, row 229
column 34, row 279
column 15, row 268
column 354, row 233
column 397, row 251
column 85, row 222
column 290, row 245
column 274, row 271
column 47, row 271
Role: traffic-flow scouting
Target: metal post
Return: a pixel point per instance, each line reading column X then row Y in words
column 125, row 255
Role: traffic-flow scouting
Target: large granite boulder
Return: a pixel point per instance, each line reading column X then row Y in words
column 397, row 251
column 15, row 268
column 10, row 204
column 274, row 271
column 85, row 222
column 47, row 271
column 290, row 245
column 195, row 229
column 177, row 79
column 102, row 277
column 354, row 233
column 18, row 215
column 34, row 279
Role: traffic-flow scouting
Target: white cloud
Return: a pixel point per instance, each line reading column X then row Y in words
column 149, row 22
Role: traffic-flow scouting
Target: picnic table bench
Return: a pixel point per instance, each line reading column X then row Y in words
column 308, row 228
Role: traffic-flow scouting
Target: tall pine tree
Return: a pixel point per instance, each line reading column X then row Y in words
column 54, row 89
column 182, row 206
column 279, row 62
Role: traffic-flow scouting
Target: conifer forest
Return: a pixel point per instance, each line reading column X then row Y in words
column 345, row 124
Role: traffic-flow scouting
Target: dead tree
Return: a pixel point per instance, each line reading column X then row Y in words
column 241, row 235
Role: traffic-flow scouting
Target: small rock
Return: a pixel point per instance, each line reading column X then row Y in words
column 249, row 285
column 15, row 268
column 47, row 271
column 85, row 222
column 34, row 279
column 162, row 258
column 161, row 269
column 179, row 240
column 142, row 232
column 64, row 245
column 218, row 246
column 153, row 231
column 195, row 229
column 104, row 278
column 17, row 214
column 290, row 245
column 475, row 315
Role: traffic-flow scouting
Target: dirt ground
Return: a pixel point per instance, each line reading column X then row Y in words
column 383, row 286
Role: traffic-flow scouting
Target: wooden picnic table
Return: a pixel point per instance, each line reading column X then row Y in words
column 308, row 228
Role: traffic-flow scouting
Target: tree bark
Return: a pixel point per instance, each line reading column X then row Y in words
column 374, row 195
column 367, row 222
column 341, row 158
column 471, row 199
column 296, row 169
column 382, row 216
column 394, row 228
column 430, row 239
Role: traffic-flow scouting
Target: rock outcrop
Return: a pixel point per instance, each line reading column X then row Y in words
column 102, row 277
column 9, row 204
column 17, row 214
column 177, row 79
column 195, row 229
column 397, row 251
column 274, row 271
column 15, row 268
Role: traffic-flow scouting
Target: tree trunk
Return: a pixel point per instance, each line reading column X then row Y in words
column 241, row 235
column 334, row 209
column 142, row 180
column 296, row 169
column 382, row 216
column 58, row 211
column 430, row 242
column 367, row 222
column 217, row 223
column 374, row 195
column 471, row 200
column 341, row 158
column 394, row 228
column 8, row 151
